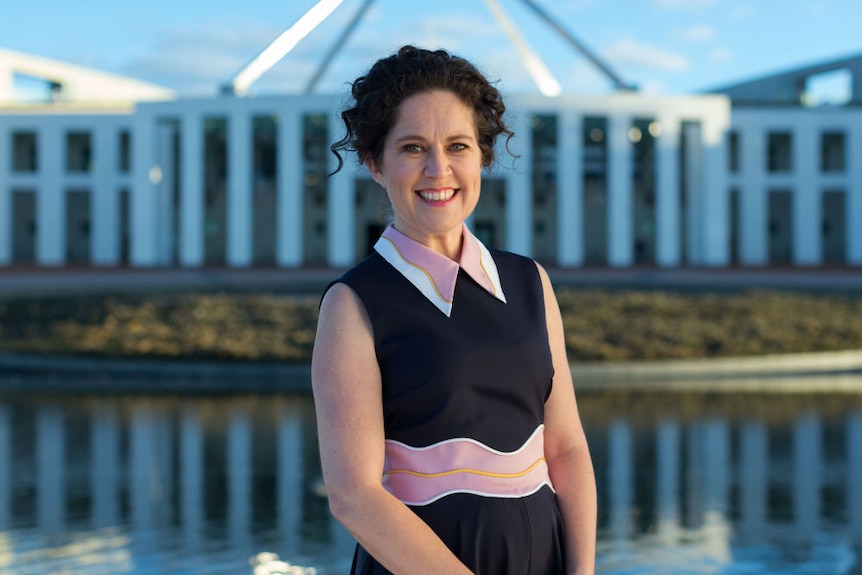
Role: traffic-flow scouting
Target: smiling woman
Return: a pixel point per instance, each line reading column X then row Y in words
column 449, row 433
column 431, row 169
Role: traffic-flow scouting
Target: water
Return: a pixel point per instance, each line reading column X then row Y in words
column 688, row 483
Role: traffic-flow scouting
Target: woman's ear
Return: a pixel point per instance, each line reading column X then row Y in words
column 375, row 172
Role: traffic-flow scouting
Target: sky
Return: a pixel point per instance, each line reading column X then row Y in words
column 661, row 46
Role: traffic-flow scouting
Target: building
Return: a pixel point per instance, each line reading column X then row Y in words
column 795, row 169
column 131, row 175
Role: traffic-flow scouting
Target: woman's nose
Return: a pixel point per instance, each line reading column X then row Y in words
column 437, row 164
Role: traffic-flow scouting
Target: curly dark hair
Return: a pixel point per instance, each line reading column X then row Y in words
column 378, row 95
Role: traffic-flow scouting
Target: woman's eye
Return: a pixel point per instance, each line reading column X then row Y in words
column 459, row 147
column 412, row 148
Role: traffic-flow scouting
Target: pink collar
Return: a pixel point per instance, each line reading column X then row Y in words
column 434, row 274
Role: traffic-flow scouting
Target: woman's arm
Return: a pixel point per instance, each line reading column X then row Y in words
column 347, row 395
column 566, row 449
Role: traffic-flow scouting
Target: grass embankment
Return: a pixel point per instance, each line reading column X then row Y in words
column 600, row 325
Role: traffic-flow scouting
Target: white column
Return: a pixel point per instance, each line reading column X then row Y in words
column 5, row 192
column 105, row 245
column 806, row 196
column 5, row 468
column 621, row 474
column 239, row 467
column 753, row 247
column 105, row 466
column 717, row 464
column 239, row 192
column 519, row 194
column 341, row 209
column 289, row 243
column 753, row 478
column 191, row 476
column 807, row 464
column 667, row 483
column 290, row 473
column 51, row 470
column 192, row 190
column 570, row 190
column 143, row 469
column 668, row 250
column 853, row 473
column 144, row 215
column 620, row 207
column 854, row 193
column 715, row 216
column 51, row 197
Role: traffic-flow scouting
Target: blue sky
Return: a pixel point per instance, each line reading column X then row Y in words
column 663, row 46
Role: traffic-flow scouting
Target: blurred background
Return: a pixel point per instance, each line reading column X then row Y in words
column 688, row 173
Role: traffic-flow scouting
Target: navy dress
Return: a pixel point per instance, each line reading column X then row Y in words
column 483, row 373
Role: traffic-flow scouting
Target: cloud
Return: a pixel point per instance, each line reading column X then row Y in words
column 818, row 8
column 683, row 4
column 721, row 54
column 196, row 60
column 631, row 53
column 478, row 40
column 582, row 76
column 699, row 33
column 742, row 11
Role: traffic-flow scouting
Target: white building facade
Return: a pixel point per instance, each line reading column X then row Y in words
column 618, row 180
column 795, row 185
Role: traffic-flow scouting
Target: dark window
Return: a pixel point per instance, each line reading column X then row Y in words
column 24, row 152
column 733, row 151
column 79, row 152
column 125, row 152
column 832, row 152
column 780, row 152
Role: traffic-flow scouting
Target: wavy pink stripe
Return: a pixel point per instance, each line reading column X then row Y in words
column 464, row 466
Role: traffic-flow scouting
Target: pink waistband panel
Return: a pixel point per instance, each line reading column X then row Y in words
column 422, row 475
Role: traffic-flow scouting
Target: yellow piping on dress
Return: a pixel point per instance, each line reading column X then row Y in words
column 467, row 470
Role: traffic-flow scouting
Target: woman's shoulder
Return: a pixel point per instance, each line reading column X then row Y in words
column 511, row 260
column 365, row 278
column 518, row 273
column 367, row 268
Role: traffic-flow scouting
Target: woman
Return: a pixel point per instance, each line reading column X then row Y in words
column 439, row 365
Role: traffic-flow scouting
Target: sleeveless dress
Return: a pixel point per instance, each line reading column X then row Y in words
column 470, row 384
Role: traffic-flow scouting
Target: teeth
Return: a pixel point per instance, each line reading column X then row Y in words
column 437, row 196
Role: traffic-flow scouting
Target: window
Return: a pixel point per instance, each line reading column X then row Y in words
column 544, row 186
column 832, row 154
column 832, row 88
column 779, row 152
column 734, row 226
column 595, row 180
column 78, row 152
column 125, row 152
column 24, row 152
column 733, row 151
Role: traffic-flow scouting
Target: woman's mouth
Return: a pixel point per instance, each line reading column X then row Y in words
column 437, row 195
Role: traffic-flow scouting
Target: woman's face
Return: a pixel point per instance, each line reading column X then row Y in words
column 431, row 168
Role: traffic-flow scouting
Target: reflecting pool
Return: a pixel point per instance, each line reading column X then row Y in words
column 688, row 483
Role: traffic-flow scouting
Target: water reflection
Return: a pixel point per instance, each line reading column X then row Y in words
column 693, row 483
column 722, row 484
column 161, row 485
